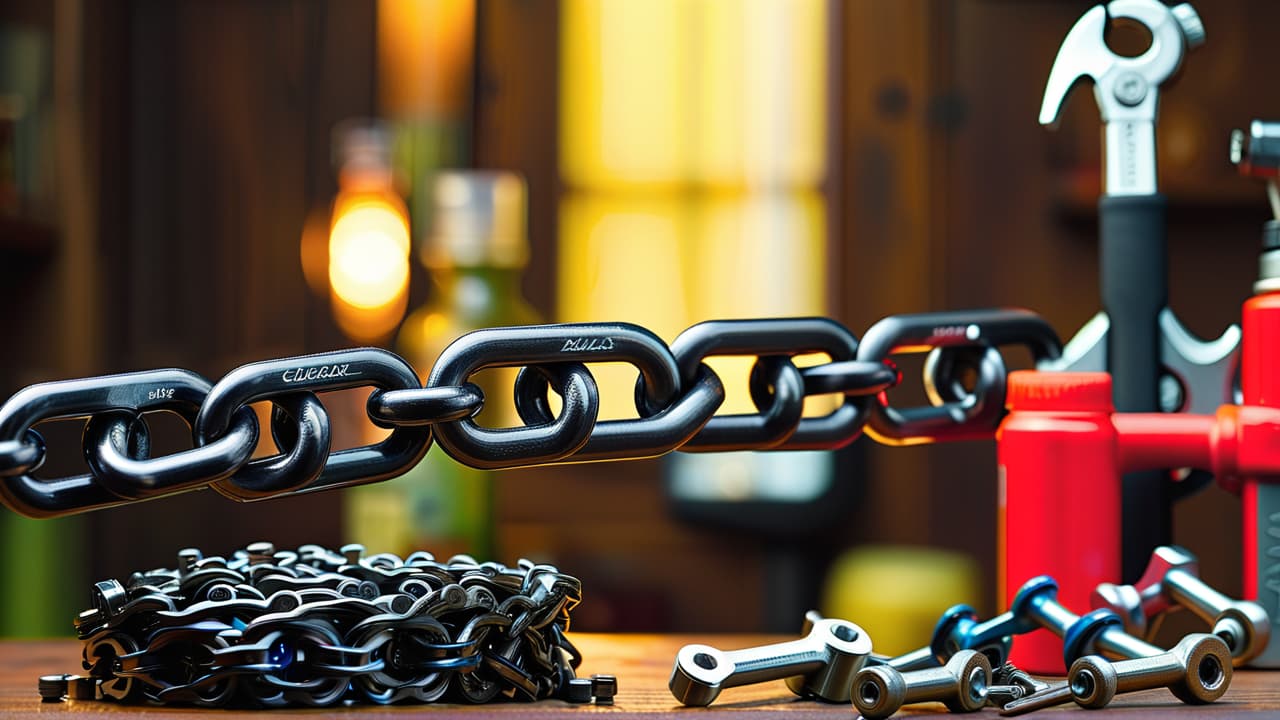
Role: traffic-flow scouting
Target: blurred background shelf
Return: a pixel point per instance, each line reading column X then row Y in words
column 26, row 239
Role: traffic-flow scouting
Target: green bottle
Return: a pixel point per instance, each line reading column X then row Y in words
column 475, row 250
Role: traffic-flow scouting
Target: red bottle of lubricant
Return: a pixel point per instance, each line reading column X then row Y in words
column 1059, row 508
column 1260, row 385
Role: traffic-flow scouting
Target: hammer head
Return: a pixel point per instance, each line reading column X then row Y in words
column 1084, row 53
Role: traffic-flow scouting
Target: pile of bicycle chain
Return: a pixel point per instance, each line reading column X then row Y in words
column 312, row 627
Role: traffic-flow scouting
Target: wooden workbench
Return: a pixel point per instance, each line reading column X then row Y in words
column 642, row 664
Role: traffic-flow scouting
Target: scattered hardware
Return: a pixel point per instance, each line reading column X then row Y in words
column 821, row 664
column 1172, row 581
column 962, row 685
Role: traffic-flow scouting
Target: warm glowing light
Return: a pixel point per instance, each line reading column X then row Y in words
column 664, row 93
column 369, row 252
column 425, row 52
column 692, row 143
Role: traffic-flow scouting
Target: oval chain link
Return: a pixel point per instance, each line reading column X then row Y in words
column 677, row 398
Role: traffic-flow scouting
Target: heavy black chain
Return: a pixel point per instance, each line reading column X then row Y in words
column 313, row 627
column 677, row 397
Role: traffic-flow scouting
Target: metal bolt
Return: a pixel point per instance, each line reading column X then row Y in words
column 52, row 687
column 1197, row 670
column 1130, row 88
column 1010, row 674
column 1098, row 631
column 961, row 685
column 1055, row 694
column 822, row 663
column 1001, row 695
column 604, row 688
column 1173, row 578
column 578, row 691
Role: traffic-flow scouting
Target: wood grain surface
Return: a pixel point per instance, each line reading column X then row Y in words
column 642, row 664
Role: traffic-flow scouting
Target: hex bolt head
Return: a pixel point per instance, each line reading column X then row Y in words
column 604, row 688
column 1197, row 671
column 1130, row 88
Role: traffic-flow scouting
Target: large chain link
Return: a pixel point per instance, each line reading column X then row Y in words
column 313, row 627
column 677, row 397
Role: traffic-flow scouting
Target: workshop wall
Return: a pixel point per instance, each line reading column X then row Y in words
column 188, row 142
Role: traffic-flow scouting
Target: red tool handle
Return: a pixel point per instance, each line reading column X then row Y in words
column 1260, row 496
column 1060, row 494
column 1062, row 452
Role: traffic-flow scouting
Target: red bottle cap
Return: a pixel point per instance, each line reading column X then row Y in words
column 1059, row 391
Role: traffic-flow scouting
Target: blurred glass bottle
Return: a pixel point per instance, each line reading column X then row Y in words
column 475, row 251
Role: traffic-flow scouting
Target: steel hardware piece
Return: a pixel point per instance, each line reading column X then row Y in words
column 962, row 685
column 1054, row 694
column 1126, row 88
column 1173, row 580
column 1197, row 670
column 1097, row 631
column 821, row 664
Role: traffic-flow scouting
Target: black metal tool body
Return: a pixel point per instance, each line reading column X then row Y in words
column 1156, row 364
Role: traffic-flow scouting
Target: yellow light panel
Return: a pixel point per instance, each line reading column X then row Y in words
column 715, row 92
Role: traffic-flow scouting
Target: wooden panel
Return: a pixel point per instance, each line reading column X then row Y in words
column 515, row 121
column 891, row 165
column 224, row 137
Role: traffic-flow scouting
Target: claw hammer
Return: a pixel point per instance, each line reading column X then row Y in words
column 1156, row 364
